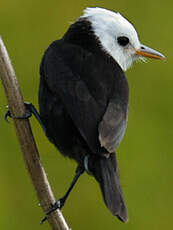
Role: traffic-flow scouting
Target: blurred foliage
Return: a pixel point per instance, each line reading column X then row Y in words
column 145, row 155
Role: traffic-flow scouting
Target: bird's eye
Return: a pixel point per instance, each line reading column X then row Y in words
column 123, row 41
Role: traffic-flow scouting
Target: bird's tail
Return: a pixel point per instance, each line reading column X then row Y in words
column 105, row 172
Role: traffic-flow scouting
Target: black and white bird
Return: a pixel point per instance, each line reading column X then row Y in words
column 83, row 97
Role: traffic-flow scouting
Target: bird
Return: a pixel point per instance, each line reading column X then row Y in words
column 83, row 97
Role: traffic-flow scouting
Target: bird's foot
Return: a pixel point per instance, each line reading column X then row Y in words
column 30, row 109
column 27, row 115
column 58, row 205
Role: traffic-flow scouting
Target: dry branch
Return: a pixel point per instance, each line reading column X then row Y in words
column 27, row 142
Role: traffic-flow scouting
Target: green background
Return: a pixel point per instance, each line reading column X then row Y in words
column 145, row 156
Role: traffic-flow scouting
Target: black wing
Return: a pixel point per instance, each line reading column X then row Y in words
column 65, row 82
column 84, row 84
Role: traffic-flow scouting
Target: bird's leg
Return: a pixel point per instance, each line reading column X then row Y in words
column 30, row 109
column 60, row 203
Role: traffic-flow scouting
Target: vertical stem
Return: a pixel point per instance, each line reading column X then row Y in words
column 27, row 143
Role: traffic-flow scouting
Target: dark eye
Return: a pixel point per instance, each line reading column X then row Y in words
column 123, row 41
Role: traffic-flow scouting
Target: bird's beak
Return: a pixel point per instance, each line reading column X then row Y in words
column 148, row 52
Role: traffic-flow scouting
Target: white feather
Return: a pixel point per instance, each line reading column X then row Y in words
column 108, row 26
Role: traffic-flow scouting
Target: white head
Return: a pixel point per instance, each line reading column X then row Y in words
column 118, row 37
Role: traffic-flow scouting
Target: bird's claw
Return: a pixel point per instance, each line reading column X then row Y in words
column 30, row 109
column 27, row 115
column 58, row 205
column 6, row 115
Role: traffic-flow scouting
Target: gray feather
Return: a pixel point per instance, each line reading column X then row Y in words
column 112, row 127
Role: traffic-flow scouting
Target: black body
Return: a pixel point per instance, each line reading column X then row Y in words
column 83, row 101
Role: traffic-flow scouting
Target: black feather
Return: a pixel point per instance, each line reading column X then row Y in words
column 105, row 170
